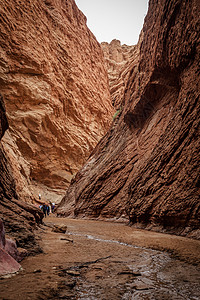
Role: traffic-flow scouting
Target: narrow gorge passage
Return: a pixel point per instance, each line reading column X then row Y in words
column 103, row 260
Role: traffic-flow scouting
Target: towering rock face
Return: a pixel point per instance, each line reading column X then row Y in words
column 55, row 87
column 119, row 61
column 20, row 219
column 146, row 168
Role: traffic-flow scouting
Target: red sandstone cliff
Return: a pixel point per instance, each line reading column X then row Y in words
column 55, row 87
column 146, row 168
column 20, row 219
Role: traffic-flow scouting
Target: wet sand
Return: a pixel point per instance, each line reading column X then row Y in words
column 103, row 260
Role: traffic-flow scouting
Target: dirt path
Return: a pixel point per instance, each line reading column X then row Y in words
column 102, row 260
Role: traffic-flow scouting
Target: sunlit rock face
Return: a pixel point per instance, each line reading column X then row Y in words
column 20, row 219
column 55, row 87
column 146, row 168
column 119, row 61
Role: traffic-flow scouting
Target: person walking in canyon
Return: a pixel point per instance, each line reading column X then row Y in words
column 52, row 207
column 48, row 209
column 44, row 209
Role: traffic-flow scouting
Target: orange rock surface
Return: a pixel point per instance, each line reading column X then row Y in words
column 55, row 86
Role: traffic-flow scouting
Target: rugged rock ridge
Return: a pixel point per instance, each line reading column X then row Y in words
column 119, row 60
column 55, row 87
column 146, row 168
column 20, row 219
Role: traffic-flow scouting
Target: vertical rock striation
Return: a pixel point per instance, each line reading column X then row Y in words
column 146, row 168
column 55, row 87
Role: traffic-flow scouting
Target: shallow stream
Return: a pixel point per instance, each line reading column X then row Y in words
column 108, row 261
column 139, row 273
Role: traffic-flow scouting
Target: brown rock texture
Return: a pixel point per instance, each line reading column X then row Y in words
column 146, row 168
column 119, row 61
column 55, row 86
column 20, row 219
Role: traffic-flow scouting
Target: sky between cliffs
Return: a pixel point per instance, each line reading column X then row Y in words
column 114, row 19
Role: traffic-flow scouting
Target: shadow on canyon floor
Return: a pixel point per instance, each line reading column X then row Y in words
column 103, row 260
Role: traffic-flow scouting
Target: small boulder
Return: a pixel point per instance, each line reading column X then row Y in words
column 73, row 273
column 67, row 239
column 11, row 248
column 59, row 228
column 8, row 265
column 9, row 254
column 37, row 271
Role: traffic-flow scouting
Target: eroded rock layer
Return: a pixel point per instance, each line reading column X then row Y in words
column 119, row 61
column 55, row 87
column 20, row 219
column 146, row 169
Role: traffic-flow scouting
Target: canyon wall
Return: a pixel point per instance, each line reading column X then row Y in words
column 20, row 219
column 119, row 61
column 55, row 87
column 146, row 168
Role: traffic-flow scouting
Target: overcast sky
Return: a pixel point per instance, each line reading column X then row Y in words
column 114, row 19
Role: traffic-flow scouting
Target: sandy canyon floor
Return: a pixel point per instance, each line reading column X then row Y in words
column 103, row 260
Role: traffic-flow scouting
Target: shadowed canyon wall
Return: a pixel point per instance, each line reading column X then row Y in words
column 146, row 168
column 20, row 219
column 55, row 86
